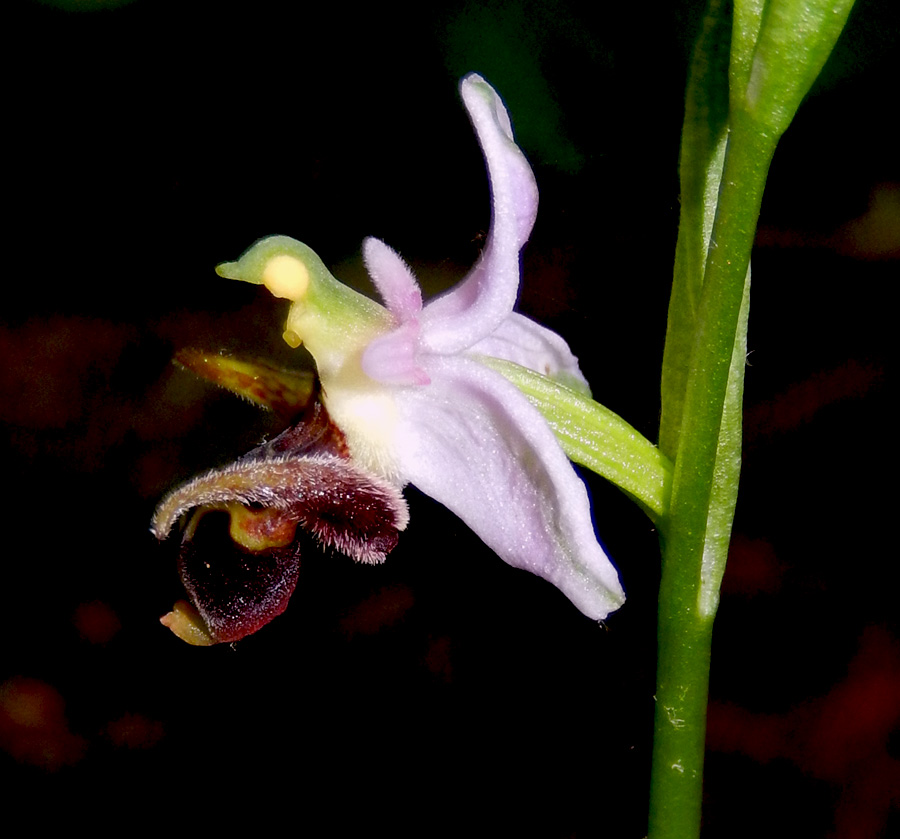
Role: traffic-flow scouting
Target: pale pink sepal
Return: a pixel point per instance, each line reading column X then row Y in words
column 481, row 302
column 474, row 443
column 521, row 340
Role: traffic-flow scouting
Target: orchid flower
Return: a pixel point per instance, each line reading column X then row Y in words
column 407, row 393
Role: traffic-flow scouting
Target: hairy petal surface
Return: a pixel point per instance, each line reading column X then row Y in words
column 479, row 304
column 233, row 592
column 391, row 358
column 393, row 278
column 342, row 505
column 475, row 444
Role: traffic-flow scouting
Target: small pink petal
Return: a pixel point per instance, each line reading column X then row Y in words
column 393, row 279
column 391, row 359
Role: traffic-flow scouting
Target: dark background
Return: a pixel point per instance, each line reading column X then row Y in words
column 151, row 140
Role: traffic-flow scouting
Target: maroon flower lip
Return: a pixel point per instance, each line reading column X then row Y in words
column 299, row 487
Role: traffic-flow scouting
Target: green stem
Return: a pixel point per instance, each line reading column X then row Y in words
column 732, row 125
column 696, row 532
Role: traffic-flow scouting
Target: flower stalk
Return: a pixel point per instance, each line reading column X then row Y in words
column 738, row 105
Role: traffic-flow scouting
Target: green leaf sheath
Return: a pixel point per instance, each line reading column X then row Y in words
column 696, row 532
column 779, row 48
column 723, row 496
column 702, row 156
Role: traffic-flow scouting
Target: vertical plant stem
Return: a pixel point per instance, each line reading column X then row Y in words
column 704, row 489
column 733, row 121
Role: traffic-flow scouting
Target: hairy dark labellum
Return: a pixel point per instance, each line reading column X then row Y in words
column 299, row 487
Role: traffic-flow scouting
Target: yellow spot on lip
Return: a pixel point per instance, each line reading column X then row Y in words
column 291, row 338
column 286, row 276
column 185, row 621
